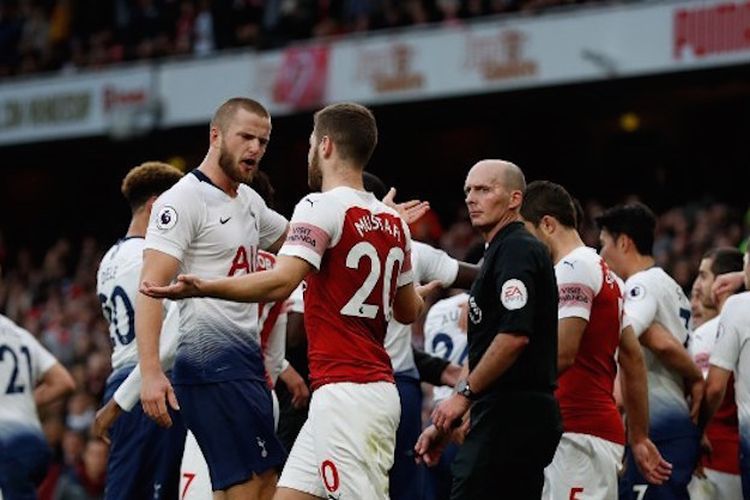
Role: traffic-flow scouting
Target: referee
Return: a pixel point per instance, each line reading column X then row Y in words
column 515, row 421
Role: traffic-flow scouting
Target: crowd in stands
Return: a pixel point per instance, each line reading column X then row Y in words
column 53, row 35
column 55, row 299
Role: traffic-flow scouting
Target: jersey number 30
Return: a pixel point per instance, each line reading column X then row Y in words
column 393, row 261
column 124, row 334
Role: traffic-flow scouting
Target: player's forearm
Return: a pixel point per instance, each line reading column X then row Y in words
column 635, row 395
column 676, row 358
column 148, row 323
column 502, row 353
column 264, row 286
column 716, row 386
column 57, row 382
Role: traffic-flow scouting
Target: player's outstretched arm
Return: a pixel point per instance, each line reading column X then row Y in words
column 675, row 357
column 652, row 465
column 56, row 383
column 408, row 304
column 430, row 446
column 265, row 286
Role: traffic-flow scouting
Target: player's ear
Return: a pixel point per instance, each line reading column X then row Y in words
column 548, row 224
column 214, row 136
column 623, row 243
column 326, row 146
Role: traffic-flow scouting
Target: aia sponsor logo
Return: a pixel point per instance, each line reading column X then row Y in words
column 500, row 56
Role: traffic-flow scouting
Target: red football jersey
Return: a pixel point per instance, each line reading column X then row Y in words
column 361, row 251
column 590, row 291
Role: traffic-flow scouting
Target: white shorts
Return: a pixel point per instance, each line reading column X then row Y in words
column 195, row 483
column 716, row 486
column 345, row 449
column 584, row 467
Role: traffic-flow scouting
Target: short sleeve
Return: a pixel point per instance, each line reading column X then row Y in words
column 515, row 270
column 41, row 359
column 640, row 306
column 576, row 285
column 271, row 224
column 433, row 264
column 174, row 223
column 406, row 273
column 313, row 227
column 726, row 352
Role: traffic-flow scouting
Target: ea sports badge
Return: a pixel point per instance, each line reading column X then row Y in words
column 514, row 294
column 166, row 218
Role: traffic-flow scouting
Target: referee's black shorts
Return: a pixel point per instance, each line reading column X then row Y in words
column 512, row 439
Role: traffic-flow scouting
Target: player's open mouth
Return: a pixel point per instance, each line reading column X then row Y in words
column 249, row 162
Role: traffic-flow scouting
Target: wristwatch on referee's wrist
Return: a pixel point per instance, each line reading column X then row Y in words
column 462, row 388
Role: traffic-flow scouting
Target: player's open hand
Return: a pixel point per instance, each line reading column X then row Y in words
column 430, row 446
column 449, row 412
column 184, row 287
column 105, row 417
column 652, row 465
column 410, row 211
column 156, row 392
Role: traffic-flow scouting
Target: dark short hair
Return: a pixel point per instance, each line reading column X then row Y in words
column 226, row 111
column 548, row 198
column 261, row 183
column 148, row 179
column 724, row 260
column 374, row 185
column 352, row 129
column 634, row 220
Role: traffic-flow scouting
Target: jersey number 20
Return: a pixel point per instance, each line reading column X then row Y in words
column 393, row 261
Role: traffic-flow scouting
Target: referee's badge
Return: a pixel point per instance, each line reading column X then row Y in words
column 514, row 294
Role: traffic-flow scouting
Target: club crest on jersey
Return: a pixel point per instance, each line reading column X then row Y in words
column 166, row 218
column 637, row 292
column 514, row 295
column 475, row 313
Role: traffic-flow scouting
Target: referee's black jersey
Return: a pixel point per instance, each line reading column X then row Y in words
column 516, row 292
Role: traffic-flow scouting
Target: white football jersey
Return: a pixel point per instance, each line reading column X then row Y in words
column 428, row 264
column 443, row 337
column 214, row 235
column 652, row 296
column 702, row 342
column 732, row 352
column 23, row 363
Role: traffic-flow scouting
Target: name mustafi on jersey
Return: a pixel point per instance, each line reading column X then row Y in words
column 372, row 222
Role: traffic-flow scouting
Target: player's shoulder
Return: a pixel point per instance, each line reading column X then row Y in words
column 707, row 329
column 644, row 283
column 443, row 306
column 581, row 261
column 10, row 329
column 737, row 306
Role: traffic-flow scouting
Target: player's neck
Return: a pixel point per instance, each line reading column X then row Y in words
column 568, row 241
column 342, row 175
column 211, row 169
column 637, row 264
column 138, row 224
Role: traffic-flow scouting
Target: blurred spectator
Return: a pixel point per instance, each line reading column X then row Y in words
column 50, row 35
column 86, row 479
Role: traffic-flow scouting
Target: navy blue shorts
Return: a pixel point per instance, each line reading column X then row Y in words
column 24, row 457
column 233, row 424
column 406, row 478
column 144, row 459
column 745, row 466
column 681, row 452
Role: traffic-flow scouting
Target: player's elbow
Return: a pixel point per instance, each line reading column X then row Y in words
column 60, row 382
column 405, row 315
